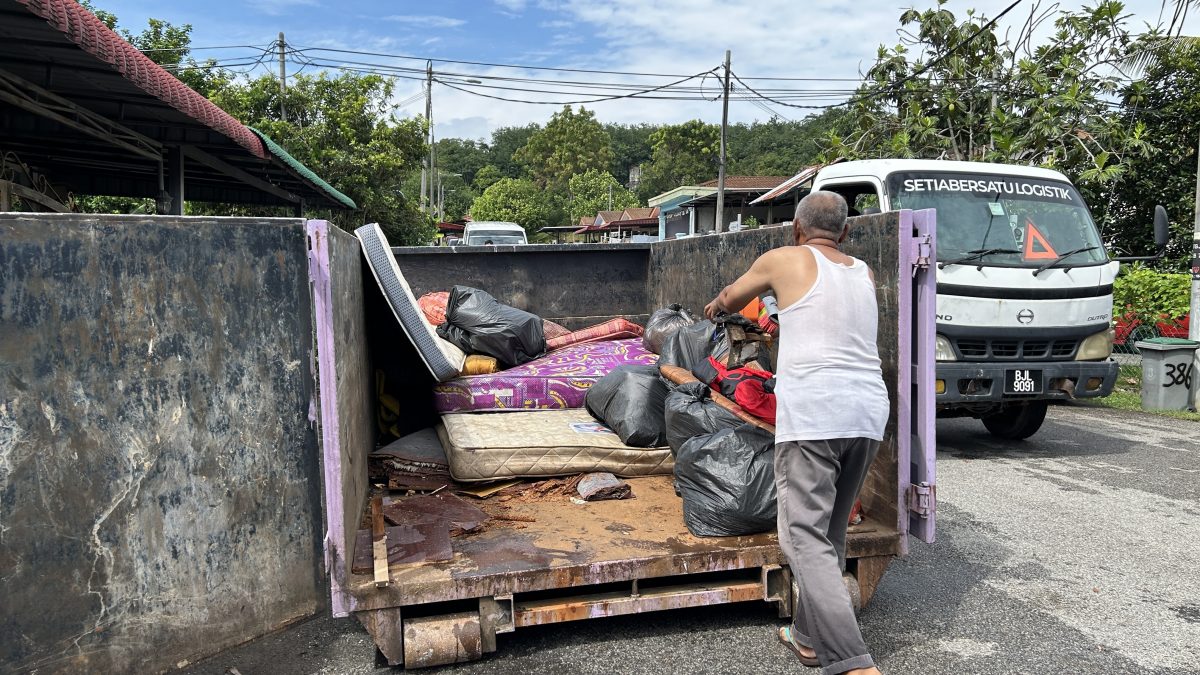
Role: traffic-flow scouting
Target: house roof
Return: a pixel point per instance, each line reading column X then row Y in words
column 584, row 221
column 746, row 182
column 640, row 212
column 115, row 114
column 608, row 216
column 802, row 176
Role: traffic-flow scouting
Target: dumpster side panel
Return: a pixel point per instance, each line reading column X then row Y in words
column 346, row 393
column 577, row 285
column 693, row 271
column 159, row 486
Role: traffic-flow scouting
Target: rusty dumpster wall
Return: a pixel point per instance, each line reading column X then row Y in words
column 159, row 479
column 692, row 271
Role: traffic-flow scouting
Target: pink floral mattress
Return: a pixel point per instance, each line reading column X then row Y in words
column 557, row 380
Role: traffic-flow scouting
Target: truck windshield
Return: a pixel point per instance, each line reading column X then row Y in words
column 999, row 220
column 496, row 237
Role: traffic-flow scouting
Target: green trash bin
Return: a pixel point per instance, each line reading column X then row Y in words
column 1166, row 372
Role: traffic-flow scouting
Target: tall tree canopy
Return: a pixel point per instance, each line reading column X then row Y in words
column 595, row 190
column 684, row 154
column 570, row 143
column 516, row 200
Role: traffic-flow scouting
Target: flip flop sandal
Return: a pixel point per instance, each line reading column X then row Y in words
column 785, row 636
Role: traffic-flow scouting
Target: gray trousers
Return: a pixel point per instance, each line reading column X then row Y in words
column 817, row 483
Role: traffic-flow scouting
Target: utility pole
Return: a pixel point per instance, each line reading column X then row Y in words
column 1194, row 313
column 282, row 77
column 720, row 214
column 610, row 196
column 432, row 138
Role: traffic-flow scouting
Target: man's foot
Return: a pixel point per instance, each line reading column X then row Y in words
column 806, row 654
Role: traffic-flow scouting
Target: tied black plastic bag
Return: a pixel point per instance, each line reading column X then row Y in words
column 663, row 324
column 477, row 323
column 689, row 346
column 727, row 481
column 630, row 401
column 690, row 412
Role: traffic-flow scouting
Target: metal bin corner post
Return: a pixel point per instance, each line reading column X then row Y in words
column 1167, row 372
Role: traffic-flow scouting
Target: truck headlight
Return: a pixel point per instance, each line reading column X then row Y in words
column 943, row 350
column 1096, row 347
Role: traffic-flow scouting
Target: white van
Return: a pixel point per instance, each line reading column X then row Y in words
column 489, row 232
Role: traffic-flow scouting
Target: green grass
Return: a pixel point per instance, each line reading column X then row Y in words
column 1127, row 395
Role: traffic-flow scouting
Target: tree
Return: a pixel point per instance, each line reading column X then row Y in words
column 631, row 147
column 779, row 147
column 487, row 177
column 506, row 141
column 1167, row 101
column 684, row 154
column 463, row 157
column 345, row 130
column 571, row 142
column 516, row 200
column 595, row 190
column 972, row 95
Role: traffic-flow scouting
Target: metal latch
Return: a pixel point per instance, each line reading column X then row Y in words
column 920, row 499
column 922, row 251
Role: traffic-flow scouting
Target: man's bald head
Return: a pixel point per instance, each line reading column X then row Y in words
column 820, row 214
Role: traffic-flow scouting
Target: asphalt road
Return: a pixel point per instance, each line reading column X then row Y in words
column 1076, row 551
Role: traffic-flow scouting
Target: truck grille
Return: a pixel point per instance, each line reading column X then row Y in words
column 983, row 349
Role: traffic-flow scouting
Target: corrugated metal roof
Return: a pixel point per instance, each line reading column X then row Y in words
column 746, row 182
column 84, row 29
column 792, row 183
column 303, row 171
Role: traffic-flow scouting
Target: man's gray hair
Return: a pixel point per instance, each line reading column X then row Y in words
column 821, row 213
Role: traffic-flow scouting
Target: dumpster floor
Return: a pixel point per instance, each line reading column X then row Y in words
column 553, row 543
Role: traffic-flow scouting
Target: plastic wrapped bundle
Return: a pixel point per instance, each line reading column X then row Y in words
column 689, row 346
column 663, row 324
column 477, row 323
column 630, row 401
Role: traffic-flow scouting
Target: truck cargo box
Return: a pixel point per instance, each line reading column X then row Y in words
column 553, row 563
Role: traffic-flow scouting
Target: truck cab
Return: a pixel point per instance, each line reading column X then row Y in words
column 1024, row 284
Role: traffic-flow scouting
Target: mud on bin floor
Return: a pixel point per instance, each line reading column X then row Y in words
column 531, row 535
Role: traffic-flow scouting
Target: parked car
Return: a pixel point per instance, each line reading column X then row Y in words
column 1130, row 329
column 485, row 232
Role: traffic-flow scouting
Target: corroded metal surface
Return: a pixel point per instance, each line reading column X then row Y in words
column 441, row 640
column 159, row 498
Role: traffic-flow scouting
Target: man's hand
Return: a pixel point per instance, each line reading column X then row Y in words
column 712, row 309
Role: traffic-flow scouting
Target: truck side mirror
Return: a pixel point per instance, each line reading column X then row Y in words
column 1162, row 227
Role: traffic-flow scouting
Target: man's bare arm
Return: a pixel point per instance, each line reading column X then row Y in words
column 755, row 281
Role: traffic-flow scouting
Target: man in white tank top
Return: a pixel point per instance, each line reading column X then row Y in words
column 832, row 406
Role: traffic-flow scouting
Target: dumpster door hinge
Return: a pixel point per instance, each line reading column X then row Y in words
column 922, row 251
column 920, row 499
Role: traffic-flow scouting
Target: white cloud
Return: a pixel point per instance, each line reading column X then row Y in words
column 425, row 20
column 512, row 5
column 557, row 24
column 280, row 7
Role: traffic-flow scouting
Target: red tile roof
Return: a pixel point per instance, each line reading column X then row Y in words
column 746, row 182
column 84, row 29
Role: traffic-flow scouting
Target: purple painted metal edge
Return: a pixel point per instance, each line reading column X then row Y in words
column 904, row 389
column 925, row 375
column 341, row 602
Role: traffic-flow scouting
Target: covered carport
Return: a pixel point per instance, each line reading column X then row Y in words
column 83, row 112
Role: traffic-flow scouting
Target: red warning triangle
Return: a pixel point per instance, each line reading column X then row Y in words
column 1035, row 239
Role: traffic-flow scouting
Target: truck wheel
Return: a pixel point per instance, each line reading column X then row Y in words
column 1017, row 422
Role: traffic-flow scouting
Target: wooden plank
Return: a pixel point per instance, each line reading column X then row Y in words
column 869, row 573
column 682, row 376
column 379, row 543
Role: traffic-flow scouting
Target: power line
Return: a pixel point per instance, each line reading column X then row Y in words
column 594, row 100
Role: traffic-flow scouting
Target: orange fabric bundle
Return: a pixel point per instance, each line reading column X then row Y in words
column 433, row 306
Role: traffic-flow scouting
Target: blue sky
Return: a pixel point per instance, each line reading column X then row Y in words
column 768, row 38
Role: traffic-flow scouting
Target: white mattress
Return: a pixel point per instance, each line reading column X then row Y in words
column 486, row 446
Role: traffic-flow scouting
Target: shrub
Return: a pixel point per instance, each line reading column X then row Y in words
column 1150, row 295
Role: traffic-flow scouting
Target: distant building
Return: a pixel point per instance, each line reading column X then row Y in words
column 691, row 209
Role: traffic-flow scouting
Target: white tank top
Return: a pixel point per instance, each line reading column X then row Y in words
column 828, row 378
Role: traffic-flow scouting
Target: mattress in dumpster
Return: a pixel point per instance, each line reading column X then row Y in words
column 555, row 381
column 541, row 443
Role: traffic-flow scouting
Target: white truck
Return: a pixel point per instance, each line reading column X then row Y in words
column 1024, row 283
column 493, row 233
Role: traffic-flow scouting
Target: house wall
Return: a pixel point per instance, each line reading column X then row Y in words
column 159, row 479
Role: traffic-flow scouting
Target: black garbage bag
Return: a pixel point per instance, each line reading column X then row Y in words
column 630, row 401
column 689, row 346
column 477, row 323
column 690, row 412
column 727, row 481
column 663, row 324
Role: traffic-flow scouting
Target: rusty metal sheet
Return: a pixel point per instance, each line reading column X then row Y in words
column 616, row 604
column 447, row 509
